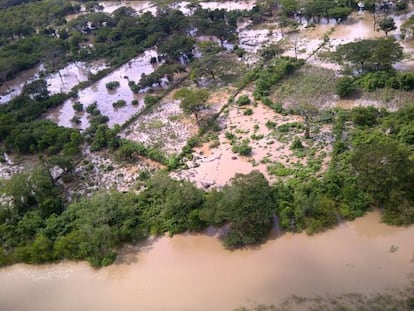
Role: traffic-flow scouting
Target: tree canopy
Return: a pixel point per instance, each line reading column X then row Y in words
column 193, row 101
column 369, row 54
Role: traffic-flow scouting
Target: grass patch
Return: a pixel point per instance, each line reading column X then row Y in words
column 156, row 124
column 317, row 85
column 278, row 169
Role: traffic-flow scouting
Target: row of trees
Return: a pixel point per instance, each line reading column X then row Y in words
column 368, row 64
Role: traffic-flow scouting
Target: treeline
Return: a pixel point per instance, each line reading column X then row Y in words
column 38, row 32
column 8, row 3
column 372, row 166
column 369, row 65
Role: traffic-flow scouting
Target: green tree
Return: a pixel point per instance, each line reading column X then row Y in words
column 168, row 203
column 382, row 167
column 246, row 205
column 344, row 87
column 369, row 54
column 209, row 63
column 289, row 7
column 192, row 101
column 387, row 24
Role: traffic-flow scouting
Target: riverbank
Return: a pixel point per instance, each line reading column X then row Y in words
column 194, row 272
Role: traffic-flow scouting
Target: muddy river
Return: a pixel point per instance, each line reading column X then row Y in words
column 194, row 272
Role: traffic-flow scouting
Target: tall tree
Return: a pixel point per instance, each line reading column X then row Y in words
column 369, row 54
column 192, row 101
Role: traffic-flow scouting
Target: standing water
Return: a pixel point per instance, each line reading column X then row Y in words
column 194, row 272
column 104, row 98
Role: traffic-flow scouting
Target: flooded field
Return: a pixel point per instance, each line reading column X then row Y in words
column 147, row 6
column 194, row 272
column 60, row 82
column 139, row 6
column 104, row 98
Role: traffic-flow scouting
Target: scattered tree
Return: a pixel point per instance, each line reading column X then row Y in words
column 192, row 101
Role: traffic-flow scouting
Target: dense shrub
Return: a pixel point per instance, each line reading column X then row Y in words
column 243, row 100
column 344, row 87
column 113, row 85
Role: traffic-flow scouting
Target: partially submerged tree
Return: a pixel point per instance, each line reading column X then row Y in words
column 193, row 101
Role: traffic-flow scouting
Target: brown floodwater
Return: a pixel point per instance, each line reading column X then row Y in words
column 194, row 272
column 104, row 98
column 61, row 81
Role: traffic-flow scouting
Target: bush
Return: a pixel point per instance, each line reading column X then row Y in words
column 76, row 120
column 243, row 100
column 243, row 149
column 344, row 87
column 78, row 107
column 375, row 80
column 113, row 85
column 270, row 125
column 150, row 100
column 296, row 144
column 118, row 104
column 248, row 112
column 90, row 108
column 364, row 116
column 239, row 52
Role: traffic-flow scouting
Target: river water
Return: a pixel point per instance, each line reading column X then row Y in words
column 194, row 272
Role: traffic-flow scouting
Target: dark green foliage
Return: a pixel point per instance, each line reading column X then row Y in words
column 387, row 79
column 284, row 128
column 36, row 89
column 96, row 227
column 248, row 112
column 387, row 24
column 270, row 125
column 39, row 136
column 100, row 136
column 383, row 168
column 305, row 207
column 273, row 73
column 193, row 101
column 128, row 150
column 76, row 120
column 296, row 144
column 34, row 190
column 28, row 52
column 369, row 54
column 364, row 116
column 344, row 87
column 168, row 204
column 91, row 108
column 243, row 100
column 242, row 148
column 246, row 205
column 119, row 104
column 157, row 77
column 113, row 85
column 78, row 107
